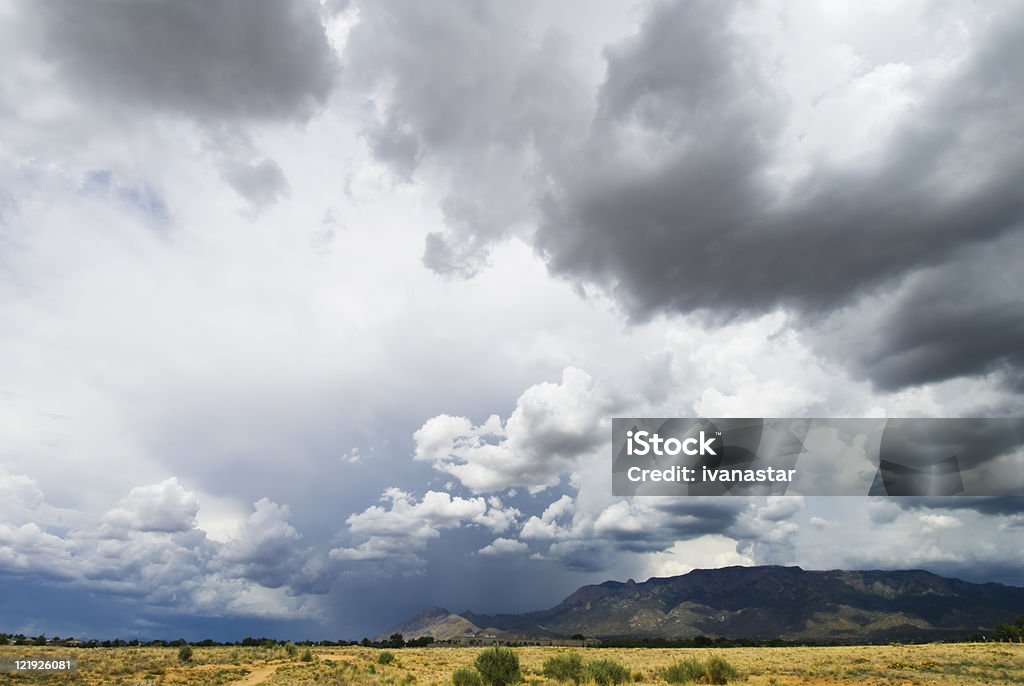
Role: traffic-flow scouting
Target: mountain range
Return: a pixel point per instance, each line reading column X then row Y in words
column 760, row 603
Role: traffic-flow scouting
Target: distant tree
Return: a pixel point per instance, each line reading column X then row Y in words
column 1007, row 632
column 40, row 640
column 578, row 637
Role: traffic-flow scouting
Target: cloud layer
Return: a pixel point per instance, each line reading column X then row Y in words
column 320, row 310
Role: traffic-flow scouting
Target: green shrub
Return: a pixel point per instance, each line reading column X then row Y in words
column 185, row 653
column 498, row 666
column 291, row 649
column 566, row 667
column 307, row 655
column 607, row 672
column 686, row 671
column 466, row 676
column 715, row 670
column 386, row 657
column 719, row 671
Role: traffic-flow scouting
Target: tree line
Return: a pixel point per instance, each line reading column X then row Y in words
column 1009, row 632
column 249, row 641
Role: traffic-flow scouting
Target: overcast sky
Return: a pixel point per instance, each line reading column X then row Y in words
column 313, row 315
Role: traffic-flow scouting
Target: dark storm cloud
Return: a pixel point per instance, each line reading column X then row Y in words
column 697, row 226
column 582, row 556
column 675, row 520
column 234, row 59
column 974, row 442
column 693, row 224
column 697, row 516
column 661, row 187
column 964, row 318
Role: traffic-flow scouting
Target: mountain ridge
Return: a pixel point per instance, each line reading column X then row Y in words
column 763, row 603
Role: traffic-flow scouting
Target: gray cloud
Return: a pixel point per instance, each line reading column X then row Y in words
column 470, row 94
column 258, row 179
column 998, row 505
column 393, row 537
column 269, row 552
column 261, row 183
column 657, row 525
column 236, row 59
column 663, row 188
column 697, row 225
column 962, row 318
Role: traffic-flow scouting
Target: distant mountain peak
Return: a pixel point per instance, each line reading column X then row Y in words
column 764, row 602
column 433, row 621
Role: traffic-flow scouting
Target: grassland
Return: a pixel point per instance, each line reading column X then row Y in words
column 923, row 665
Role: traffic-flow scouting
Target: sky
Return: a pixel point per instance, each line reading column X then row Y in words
column 316, row 314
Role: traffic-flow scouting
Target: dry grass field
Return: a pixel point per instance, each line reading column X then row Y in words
column 923, row 665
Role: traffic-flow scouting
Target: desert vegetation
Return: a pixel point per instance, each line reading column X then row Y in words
column 714, row 670
column 963, row 664
column 498, row 666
